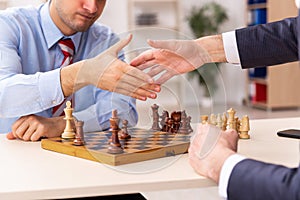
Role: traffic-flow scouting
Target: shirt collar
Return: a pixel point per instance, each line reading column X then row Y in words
column 51, row 33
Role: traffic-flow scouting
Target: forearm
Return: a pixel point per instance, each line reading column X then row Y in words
column 70, row 78
column 34, row 91
column 214, row 47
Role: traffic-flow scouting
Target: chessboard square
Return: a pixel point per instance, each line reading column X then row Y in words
column 98, row 146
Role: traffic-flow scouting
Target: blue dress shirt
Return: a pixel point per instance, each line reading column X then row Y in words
column 30, row 62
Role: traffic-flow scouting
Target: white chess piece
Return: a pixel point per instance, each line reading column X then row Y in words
column 69, row 131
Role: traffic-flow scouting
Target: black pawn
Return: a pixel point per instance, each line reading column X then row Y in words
column 124, row 132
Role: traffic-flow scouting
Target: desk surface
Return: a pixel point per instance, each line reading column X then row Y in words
column 29, row 172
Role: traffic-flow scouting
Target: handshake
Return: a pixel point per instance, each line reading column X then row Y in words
column 166, row 59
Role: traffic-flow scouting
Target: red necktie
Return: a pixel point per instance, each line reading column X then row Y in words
column 67, row 48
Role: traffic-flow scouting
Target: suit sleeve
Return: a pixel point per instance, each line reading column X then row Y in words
column 268, row 44
column 254, row 180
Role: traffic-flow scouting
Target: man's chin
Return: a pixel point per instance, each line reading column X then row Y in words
column 82, row 28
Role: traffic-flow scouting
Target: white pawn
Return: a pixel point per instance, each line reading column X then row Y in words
column 213, row 119
column 219, row 121
column 244, row 128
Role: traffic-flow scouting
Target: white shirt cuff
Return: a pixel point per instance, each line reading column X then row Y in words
column 230, row 47
column 226, row 170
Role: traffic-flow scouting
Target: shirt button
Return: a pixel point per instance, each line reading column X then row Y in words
column 53, row 102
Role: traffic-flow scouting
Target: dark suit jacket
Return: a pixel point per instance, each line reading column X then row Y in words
column 254, row 180
column 269, row 44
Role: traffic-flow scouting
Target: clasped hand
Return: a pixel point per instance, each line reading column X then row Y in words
column 170, row 58
column 209, row 148
column 107, row 72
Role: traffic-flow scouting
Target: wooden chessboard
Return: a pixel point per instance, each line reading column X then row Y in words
column 143, row 145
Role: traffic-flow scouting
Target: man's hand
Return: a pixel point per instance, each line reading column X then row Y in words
column 107, row 72
column 171, row 57
column 33, row 127
column 209, row 149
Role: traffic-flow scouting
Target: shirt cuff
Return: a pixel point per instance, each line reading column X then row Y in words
column 230, row 47
column 226, row 170
column 50, row 89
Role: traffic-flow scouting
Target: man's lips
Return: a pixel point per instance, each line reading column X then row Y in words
column 87, row 16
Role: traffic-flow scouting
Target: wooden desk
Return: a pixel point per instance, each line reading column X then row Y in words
column 29, row 172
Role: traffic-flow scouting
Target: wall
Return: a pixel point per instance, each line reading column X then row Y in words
column 24, row 2
column 231, row 77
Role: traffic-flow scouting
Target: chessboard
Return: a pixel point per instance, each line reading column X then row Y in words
column 143, row 145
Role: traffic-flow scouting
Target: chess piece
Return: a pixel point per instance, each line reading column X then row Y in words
column 213, row 119
column 155, row 116
column 183, row 128
column 219, row 121
column 231, row 124
column 170, row 124
column 224, row 121
column 79, row 137
column 188, row 124
column 68, row 131
column 237, row 124
column 204, row 119
column 124, row 132
column 244, row 128
column 165, row 114
column 115, row 146
column 165, row 125
column 176, row 116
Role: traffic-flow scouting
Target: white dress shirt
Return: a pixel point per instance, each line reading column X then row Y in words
column 30, row 61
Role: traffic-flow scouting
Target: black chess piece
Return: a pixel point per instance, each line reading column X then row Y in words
column 165, row 126
column 124, row 131
column 155, row 115
column 79, row 136
column 164, row 118
column 183, row 126
column 176, row 116
column 188, row 123
column 170, row 124
column 115, row 146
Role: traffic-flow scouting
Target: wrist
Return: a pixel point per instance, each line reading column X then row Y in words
column 214, row 47
column 70, row 79
column 215, row 170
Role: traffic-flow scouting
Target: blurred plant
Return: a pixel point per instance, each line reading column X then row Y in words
column 204, row 21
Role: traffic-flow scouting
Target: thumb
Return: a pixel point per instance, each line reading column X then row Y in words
column 10, row 136
column 121, row 44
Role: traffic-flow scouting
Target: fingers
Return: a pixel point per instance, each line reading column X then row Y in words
column 10, row 136
column 138, row 74
column 16, row 131
column 131, row 86
column 36, row 135
column 25, row 129
column 139, row 93
column 205, row 140
column 142, row 58
column 121, row 44
column 31, row 130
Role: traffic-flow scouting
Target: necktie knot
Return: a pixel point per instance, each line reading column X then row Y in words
column 67, row 48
